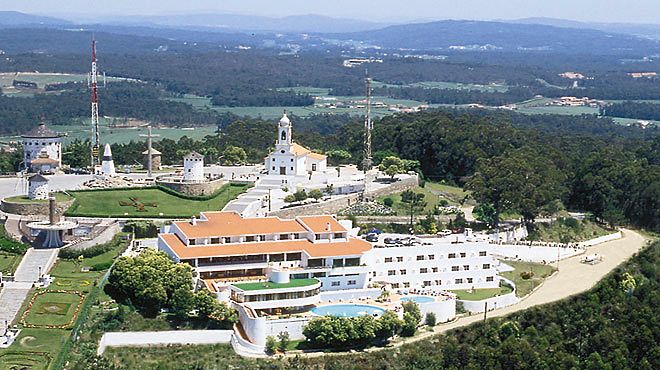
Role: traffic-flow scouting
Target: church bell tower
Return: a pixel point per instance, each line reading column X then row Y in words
column 284, row 131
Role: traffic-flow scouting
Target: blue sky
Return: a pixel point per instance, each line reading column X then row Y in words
column 633, row 11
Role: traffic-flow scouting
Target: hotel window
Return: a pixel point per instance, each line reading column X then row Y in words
column 319, row 274
column 466, row 267
column 427, row 283
column 399, row 259
column 291, row 168
column 489, row 278
column 402, row 272
column 262, row 238
column 226, row 240
column 215, row 240
column 431, row 256
column 486, row 266
column 435, row 269
column 273, row 166
column 276, row 257
column 420, row 258
column 352, row 262
column 291, row 159
column 338, row 262
column 284, row 236
column 317, row 236
column 293, row 256
column 406, row 285
column 335, row 283
column 338, row 235
column 191, row 242
column 395, row 286
column 452, row 255
column 423, row 270
column 391, row 272
column 388, row 259
column 438, row 282
column 351, row 282
column 454, row 268
column 482, row 254
column 249, row 238
column 458, row 281
column 469, row 280
column 463, row 255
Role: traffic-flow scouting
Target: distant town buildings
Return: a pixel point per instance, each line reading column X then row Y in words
column 572, row 75
column 355, row 62
column 642, row 74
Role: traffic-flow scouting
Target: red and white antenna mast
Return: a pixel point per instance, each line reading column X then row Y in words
column 93, row 78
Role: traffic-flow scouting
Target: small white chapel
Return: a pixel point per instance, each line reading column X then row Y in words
column 290, row 158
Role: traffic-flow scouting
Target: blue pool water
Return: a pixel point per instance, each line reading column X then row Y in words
column 347, row 310
column 418, row 299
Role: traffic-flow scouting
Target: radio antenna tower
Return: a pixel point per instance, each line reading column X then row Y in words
column 368, row 126
column 93, row 78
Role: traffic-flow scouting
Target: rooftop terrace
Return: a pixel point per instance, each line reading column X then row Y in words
column 293, row 283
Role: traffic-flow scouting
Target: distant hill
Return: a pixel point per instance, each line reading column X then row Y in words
column 247, row 23
column 644, row 30
column 479, row 35
column 12, row 19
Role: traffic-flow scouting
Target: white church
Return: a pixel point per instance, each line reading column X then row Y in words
column 290, row 158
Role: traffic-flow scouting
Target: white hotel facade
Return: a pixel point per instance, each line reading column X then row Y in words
column 268, row 266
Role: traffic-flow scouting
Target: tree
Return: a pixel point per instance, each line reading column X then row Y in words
column 182, row 302
column 329, row 190
column 300, row 195
column 428, row 224
column 339, row 156
column 290, row 198
column 414, row 201
column 430, row 319
column 234, row 156
column 392, row 166
column 283, row 343
column 205, row 303
column 77, row 154
column 315, row 194
column 388, row 325
column 486, row 213
column 271, row 345
column 388, row 202
column 411, row 318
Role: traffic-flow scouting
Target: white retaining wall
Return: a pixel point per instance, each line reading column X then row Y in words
column 493, row 303
column 444, row 310
column 147, row 338
column 602, row 239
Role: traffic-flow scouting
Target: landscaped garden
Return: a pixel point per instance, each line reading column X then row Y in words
column 49, row 315
column 11, row 252
column 432, row 198
column 527, row 275
column 149, row 202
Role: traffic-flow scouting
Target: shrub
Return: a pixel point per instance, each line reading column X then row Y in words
column 101, row 266
column 271, row 345
column 284, row 341
column 7, row 244
column 409, row 325
column 142, row 228
column 300, row 195
column 460, row 308
column 316, row 194
column 389, row 202
column 430, row 319
column 526, row 275
column 290, row 198
column 69, row 253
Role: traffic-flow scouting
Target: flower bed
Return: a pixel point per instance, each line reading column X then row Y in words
column 68, row 324
column 368, row 209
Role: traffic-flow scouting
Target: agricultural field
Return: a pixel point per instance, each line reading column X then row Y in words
column 149, row 202
column 322, row 98
column 447, row 85
column 527, row 275
column 41, row 79
column 81, row 129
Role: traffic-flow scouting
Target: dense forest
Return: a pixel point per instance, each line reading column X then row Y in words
column 630, row 109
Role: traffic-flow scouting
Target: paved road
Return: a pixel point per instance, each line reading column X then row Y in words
column 573, row 278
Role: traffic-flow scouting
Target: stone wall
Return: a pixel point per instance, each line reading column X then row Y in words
column 194, row 188
column 34, row 209
column 333, row 206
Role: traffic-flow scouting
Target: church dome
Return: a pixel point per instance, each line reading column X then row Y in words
column 284, row 121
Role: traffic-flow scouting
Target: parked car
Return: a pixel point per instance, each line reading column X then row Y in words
column 372, row 238
column 390, row 241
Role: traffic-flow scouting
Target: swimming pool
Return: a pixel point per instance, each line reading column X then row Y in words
column 418, row 299
column 347, row 310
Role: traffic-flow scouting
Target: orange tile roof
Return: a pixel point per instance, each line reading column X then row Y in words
column 348, row 248
column 232, row 224
column 317, row 156
column 299, row 149
column 319, row 224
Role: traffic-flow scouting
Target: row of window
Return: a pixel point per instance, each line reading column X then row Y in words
column 426, row 270
column 427, row 283
column 431, row 257
column 254, row 238
column 36, row 143
column 338, row 283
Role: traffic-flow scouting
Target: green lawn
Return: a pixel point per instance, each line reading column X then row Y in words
column 432, row 197
column 525, row 286
column 9, row 262
column 60, row 197
column 479, row 294
column 567, row 230
column 293, row 283
column 53, row 308
column 157, row 203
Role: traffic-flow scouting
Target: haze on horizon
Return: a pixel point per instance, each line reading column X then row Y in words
column 623, row 11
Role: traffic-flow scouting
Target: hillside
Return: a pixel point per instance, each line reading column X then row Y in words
column 477, row 35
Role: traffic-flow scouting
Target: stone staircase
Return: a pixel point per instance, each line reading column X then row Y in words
column 28, row 269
